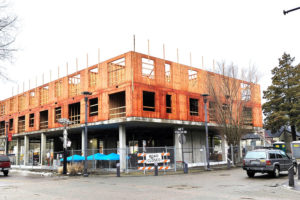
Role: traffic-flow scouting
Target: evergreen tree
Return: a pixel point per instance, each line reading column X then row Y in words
column 282, row 107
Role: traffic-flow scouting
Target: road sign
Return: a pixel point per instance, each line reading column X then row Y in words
column 180, row 131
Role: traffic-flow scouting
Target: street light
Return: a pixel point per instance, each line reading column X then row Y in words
column 6, row 137
column 206, row 130
column 86, row 94
column 286, row 12
column 65, row 122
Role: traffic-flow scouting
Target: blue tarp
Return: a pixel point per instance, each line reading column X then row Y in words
column 74, row 158
column 112, row 156
column 97, row 156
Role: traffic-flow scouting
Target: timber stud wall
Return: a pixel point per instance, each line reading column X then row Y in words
column 182, row 83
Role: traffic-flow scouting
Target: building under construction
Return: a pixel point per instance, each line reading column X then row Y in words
column 137, row 100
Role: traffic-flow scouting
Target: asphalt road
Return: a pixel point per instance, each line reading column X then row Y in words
column 221, row 184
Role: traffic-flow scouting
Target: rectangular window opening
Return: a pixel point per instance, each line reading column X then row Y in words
column 193, row 77
column 31, row 120
column 44, row 95
column 57, row 114
column 117, row 105
column 11, row 124
column 116, row 72
column 148, row 68
column 44, row 119
column 93, row 74
column 194, row 107
column 74, row 85
column 2, row 109
column 93, row 107
column 245, row 91
column 148, row 101
column 2, row 128
column 168, row 103
column 74, row 113
column 21, row 124
column 32, row 98
column 168, row 72
column 212, row 111
column 247, row 116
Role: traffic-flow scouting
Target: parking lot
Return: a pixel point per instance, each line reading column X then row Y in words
column 217, row 184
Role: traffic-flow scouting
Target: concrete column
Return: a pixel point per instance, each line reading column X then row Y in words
column 18, row 151
column 43, row 149
column 178, row 147
column 82, row 142
column 122, row 143
column 224, row 149
column 26, row 149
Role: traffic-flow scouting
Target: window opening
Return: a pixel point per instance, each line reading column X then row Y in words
column 11, row 124
column 116, row 72
column 168, row 72
column 93, row 107
column 246, row 91
column 31, row 120
column 57, row 114
column 32, row 98
column 117, row 105
column 194, row 111
column 168, row 103
column 44, row 119
column 2, row 128
column 93, row 74
column 44, row 95
column 192, row 77
column 2, row 109
column 247, row 116
column 148, row 101
column 74, row 113
column 74, row 85
column 21, row 124
column 148, row 68
column 58, row 88
column 212, row 111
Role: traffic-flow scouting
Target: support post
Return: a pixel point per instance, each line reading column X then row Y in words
column 26, row 149
column 18, row 151
column 82, row 142
column 122, row 142
column 232, row 156
column 155, row 169
column 298, row 171
column 43, row 148
column 291, row 176
column 178, row 148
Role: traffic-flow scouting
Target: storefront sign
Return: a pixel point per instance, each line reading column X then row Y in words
column 9, row 138
column 152, row 158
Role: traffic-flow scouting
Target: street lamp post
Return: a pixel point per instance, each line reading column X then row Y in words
column 6, row 138
column 86, row 94
column 206, row 131
column 65, row 122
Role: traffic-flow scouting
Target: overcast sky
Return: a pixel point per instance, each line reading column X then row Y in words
column 53, row 32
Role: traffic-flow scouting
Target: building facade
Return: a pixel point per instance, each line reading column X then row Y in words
column 137, row 100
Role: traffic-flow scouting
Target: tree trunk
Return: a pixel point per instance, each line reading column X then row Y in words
column 293, row 130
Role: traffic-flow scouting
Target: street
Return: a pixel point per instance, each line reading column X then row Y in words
column 220, row 184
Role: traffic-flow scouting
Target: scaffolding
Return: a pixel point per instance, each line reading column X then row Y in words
column 31, row 120
column 2, row 128
column 57, row 114
column 247, row 116
column 44, row 119
column 2, row 109
column 116, row 72
column 74, row 85
column 44, row 95
column 93, row 107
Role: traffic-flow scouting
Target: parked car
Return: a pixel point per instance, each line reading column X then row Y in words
column 271, row 161
column 4, row 164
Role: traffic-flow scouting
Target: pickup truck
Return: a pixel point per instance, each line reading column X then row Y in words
column 4, row 164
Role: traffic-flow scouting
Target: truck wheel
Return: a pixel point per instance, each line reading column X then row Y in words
column 5, row 172
column 250, row 174
column 295, row 169
column 276, row 172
